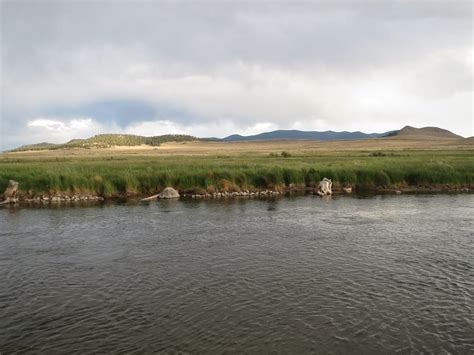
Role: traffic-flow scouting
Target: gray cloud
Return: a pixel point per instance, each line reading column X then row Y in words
column 238, row 65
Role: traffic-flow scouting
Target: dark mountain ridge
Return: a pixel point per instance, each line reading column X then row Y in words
column 296, row 134
column 405, row 132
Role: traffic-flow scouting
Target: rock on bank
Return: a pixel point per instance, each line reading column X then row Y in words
column 168, row 193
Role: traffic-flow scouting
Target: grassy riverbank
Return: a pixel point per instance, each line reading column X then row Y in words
column 106, row 174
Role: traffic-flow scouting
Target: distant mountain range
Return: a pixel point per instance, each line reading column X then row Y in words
column 295, row 134
column 109, row 140
column 406, row 131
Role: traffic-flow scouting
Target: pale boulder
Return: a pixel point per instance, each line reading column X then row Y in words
column 168, row 193
column 325, row 187
column 10, row 192
column 11, row 189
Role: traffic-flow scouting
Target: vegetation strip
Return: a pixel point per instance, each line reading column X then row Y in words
column 144, row 175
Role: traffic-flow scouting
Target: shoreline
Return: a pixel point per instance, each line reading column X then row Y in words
column 71, row 198
column 247, row 170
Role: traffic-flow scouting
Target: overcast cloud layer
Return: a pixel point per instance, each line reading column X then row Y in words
column 213, row 68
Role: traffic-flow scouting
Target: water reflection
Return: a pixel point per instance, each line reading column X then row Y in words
column 378, row 274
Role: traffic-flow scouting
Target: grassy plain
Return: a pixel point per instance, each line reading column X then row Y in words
column 198, row 166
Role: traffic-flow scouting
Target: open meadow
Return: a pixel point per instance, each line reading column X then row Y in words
column 373, row 164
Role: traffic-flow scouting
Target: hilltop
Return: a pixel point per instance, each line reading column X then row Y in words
column 109, row 140
column 409, row 131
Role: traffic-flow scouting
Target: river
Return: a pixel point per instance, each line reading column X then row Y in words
column 378, row 274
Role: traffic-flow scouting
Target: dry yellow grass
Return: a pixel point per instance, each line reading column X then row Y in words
column 263, row 147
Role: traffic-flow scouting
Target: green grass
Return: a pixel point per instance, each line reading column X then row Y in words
column 147, row 174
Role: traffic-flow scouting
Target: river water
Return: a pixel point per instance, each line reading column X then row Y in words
column 291, row 275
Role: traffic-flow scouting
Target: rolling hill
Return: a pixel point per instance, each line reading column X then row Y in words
column 108, row 140
column 409, row 131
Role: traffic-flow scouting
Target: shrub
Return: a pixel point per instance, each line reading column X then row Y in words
column 378, row 154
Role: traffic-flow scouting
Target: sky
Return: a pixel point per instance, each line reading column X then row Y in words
column 72, row 69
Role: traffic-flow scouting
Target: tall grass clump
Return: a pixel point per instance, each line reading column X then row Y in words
column 292, row 176
column 381, row 178
column 311, row 177
column 347, row 177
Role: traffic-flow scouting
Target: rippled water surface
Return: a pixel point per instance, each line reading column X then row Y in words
column 293, row 275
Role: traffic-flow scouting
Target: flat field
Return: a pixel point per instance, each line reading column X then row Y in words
column 211, row 166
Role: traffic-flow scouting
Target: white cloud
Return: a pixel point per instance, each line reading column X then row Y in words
column 50, row 125
column 60, row 130
column 220, row 128
column 61, row 126
column 155, row 128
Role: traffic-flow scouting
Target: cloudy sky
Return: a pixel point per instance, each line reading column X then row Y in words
column 71, row 69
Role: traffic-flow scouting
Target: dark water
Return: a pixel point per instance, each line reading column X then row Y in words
column 294, row 275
